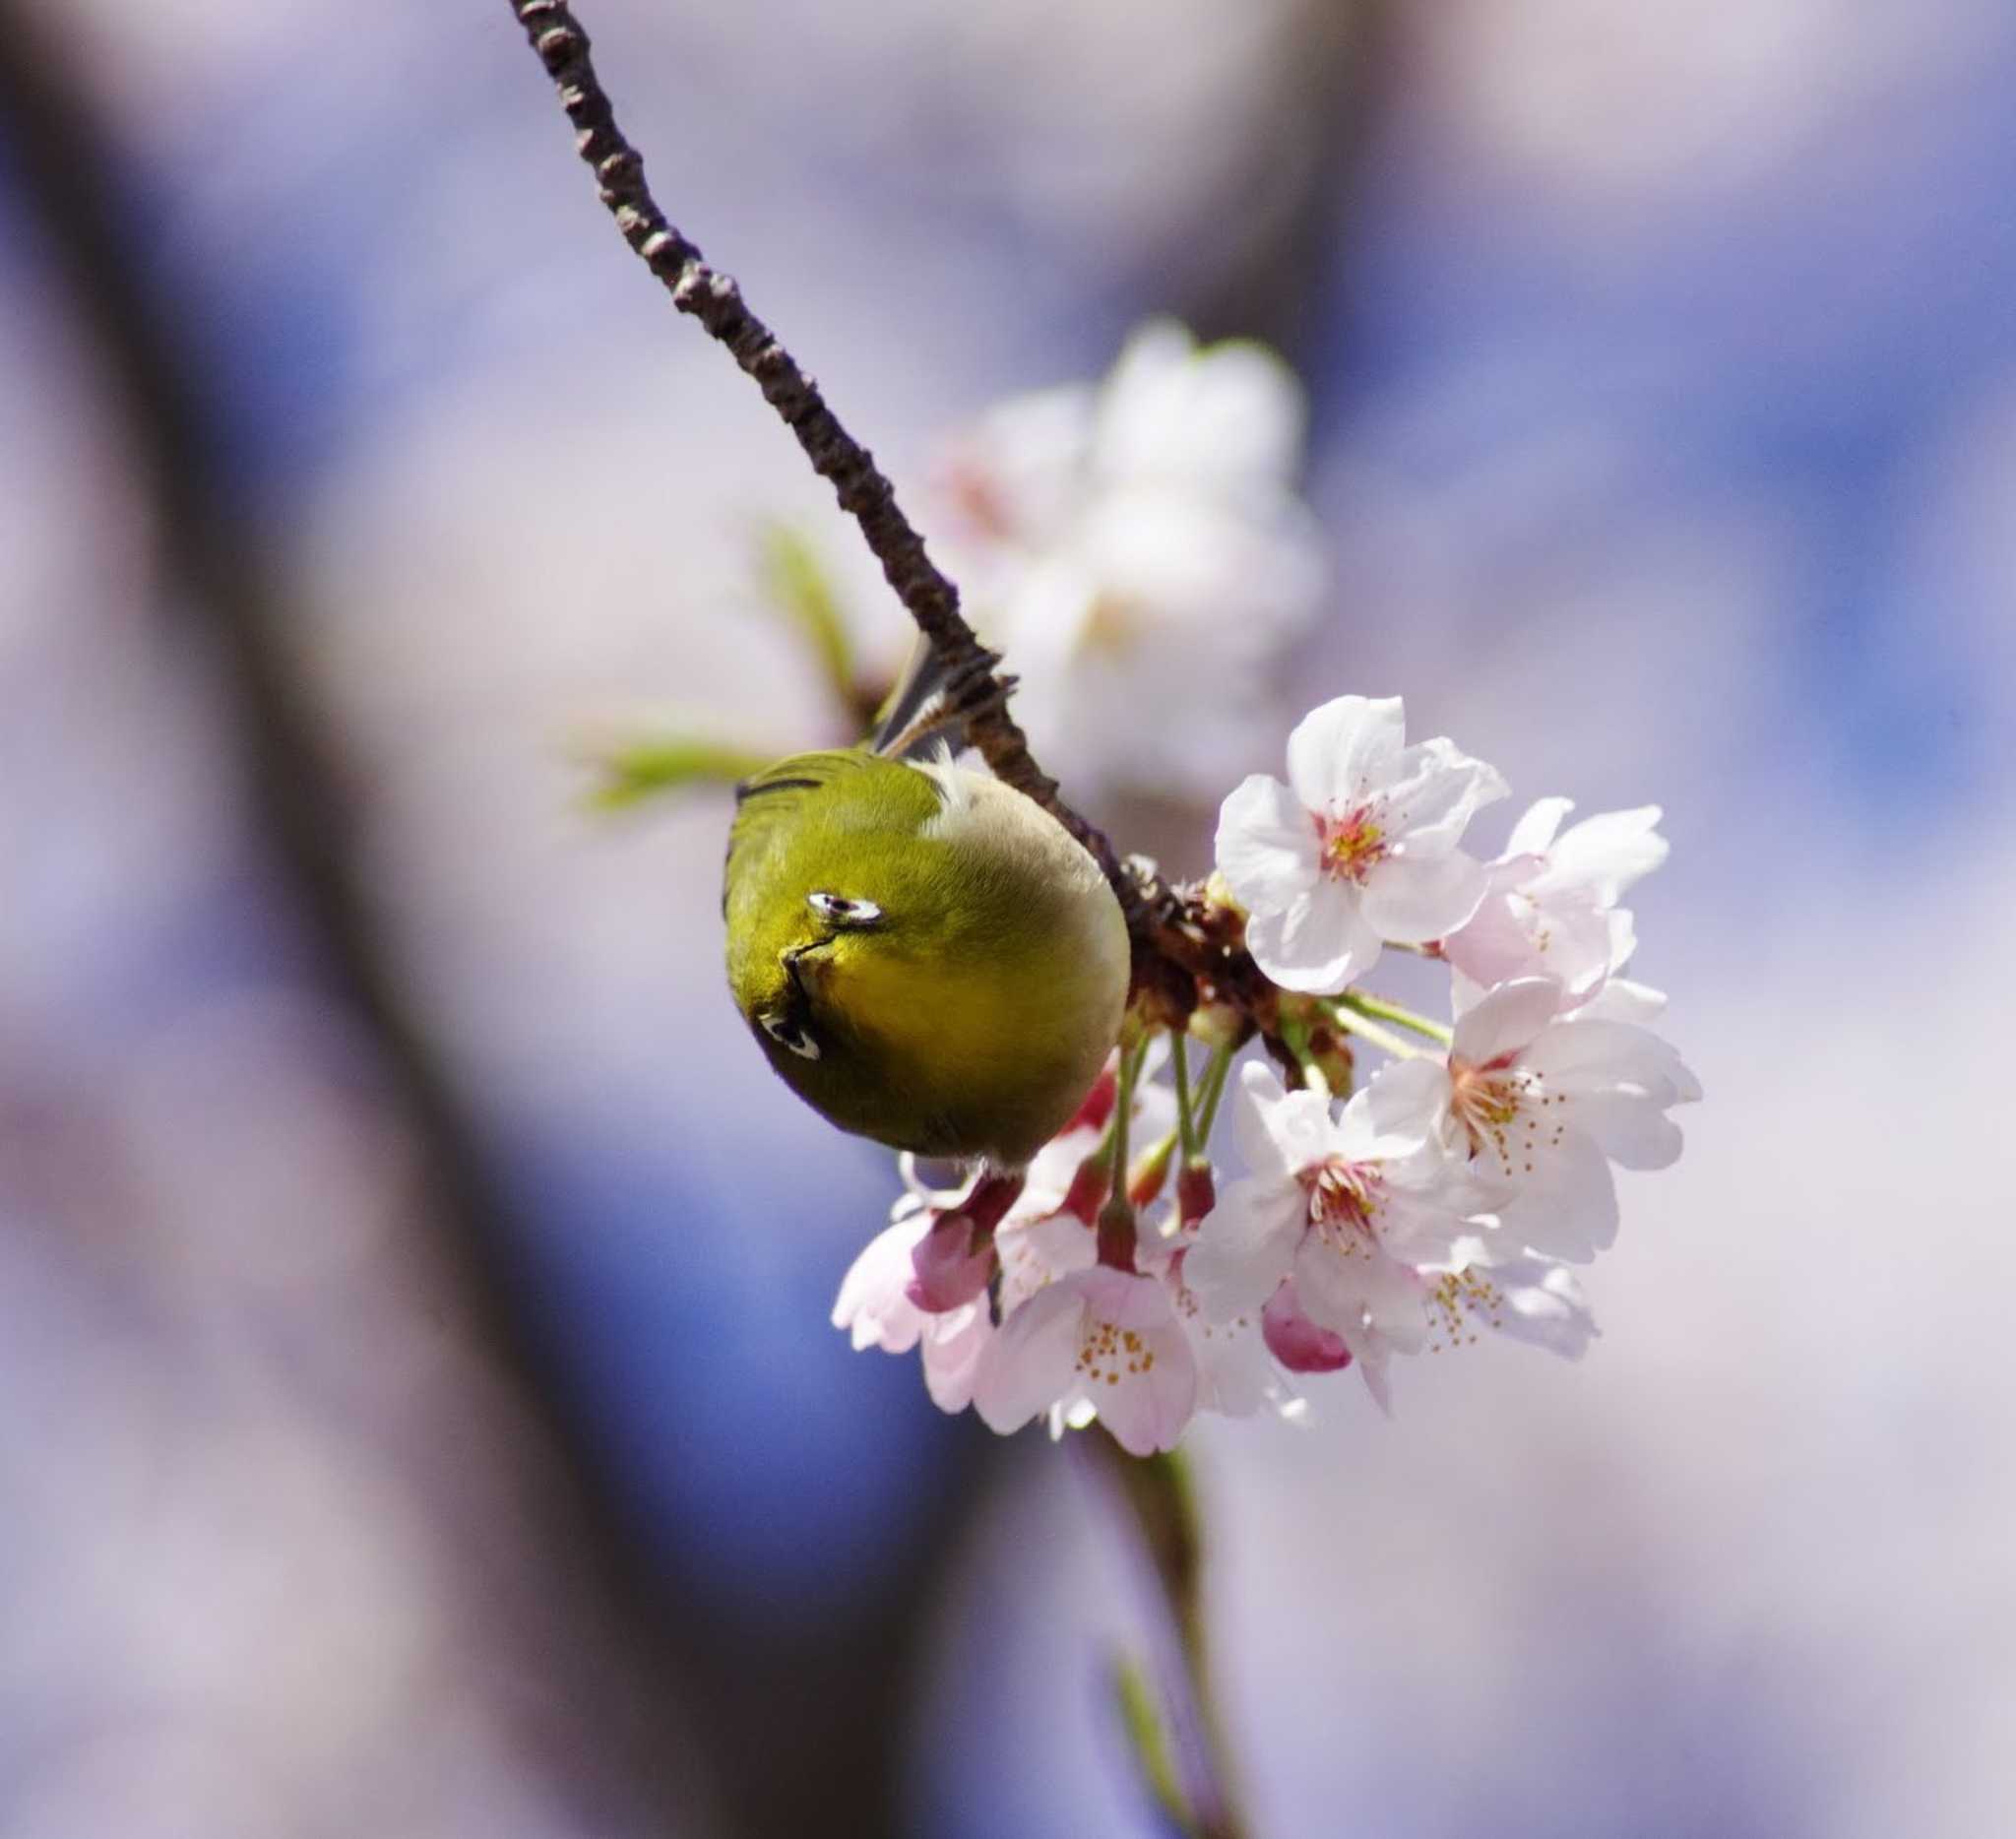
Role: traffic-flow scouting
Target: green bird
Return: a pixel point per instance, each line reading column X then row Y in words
column 925, row 955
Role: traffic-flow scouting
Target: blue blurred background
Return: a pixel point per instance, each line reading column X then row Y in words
column 418, row 1412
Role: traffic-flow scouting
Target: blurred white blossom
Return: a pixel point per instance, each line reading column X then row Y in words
column 1140, row 545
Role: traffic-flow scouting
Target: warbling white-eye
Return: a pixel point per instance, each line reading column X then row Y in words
column 925, row 955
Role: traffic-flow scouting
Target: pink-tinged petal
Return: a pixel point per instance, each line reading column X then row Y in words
column 1532, row 834
column 1245, row 1246
column 1039, row 1252
column 1417, row 1228
column 1406, row 1101
column 1343, row 751
column 1147, row 1392
column 1318, row 944
column 1398, row 1124
column 1506, row 1020
column 1436, row 791
column 1372, row 1367
column 951, row 1264
column 1567, row 1208
column 1278, row 1131
column 1624, row 937
column 1496, row 943
column 1234, row 1374
column 1267, row 847
column 1578, row 1057
column 1572, row 941
column 1621, row 1001
column 1297, row 1343
column 1349, row 1292
column 1413, row 898
column 953, row 1346
column 872, row 1304
column 1632, row 1131
column 1544, row 1304
column 1029, row 1364
column 1608, row 852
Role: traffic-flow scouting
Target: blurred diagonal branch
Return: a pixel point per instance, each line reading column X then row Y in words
column 864, row 493
column 64, row 165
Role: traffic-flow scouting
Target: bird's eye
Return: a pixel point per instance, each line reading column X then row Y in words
column 843, row 912
column 789, row 1033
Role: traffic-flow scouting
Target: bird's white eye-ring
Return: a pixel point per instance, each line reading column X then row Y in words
column 841, row 911
column 789, row 1034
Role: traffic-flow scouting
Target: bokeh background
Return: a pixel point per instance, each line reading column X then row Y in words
column 417, row 1414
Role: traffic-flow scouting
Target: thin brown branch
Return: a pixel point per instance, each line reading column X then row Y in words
column 976, row 689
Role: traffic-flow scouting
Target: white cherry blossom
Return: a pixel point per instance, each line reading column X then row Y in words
column 1358, row 848
column 1352, row 1206
column 1097, row 1343
column 1238, row 1373
column 1551, row 908
column 1542, row 1099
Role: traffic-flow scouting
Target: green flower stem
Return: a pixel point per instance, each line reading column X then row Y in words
column 1214, row 1089
column 1186, row 1126
column 1163, row 1507
column 1123, row 1105
column 1378, row 1009
column 1396, row 1045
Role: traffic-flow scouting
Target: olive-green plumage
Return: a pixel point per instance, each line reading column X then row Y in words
column 925, row 956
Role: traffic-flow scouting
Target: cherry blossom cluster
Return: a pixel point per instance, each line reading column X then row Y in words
column 1134, row 1275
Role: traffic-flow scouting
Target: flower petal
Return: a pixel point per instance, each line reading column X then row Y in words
column 1317, row 944
column 953, row 1347
column 872, row 1304
column 1630, row 1129
column 1621, row 1001
column 1608, row 852
column 1506, row 1020
column 1406, row 1103
column 1343, row 751
column 1297, row 1343
column 1532, row 834
column 1029, row 1364
column 1577, row 1057
column 1245, row 1245
column 1567, row 1208
column 1411, row 898
column 1544, row 1304
column 1435, row 792
column 1279, row 1133
column 1267, row 847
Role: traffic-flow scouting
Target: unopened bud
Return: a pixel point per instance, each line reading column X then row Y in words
column 1196, row 1192
column 1297, row 1343
column 1116, row 1236
column 1151, row 1171
column 1097, row 1104
column 1090, row 1185
column 1216, row 1024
